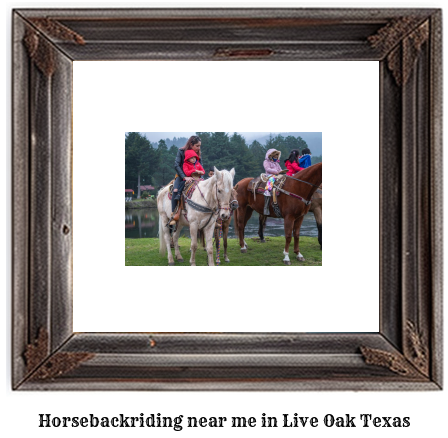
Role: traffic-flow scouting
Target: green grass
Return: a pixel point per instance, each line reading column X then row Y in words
column 145, row 252
column 141, row 203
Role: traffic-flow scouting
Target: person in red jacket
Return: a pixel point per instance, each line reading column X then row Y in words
column 292, row 162
column 192, row 164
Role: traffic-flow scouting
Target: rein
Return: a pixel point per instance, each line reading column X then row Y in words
column 306, row 182
column 306, row 202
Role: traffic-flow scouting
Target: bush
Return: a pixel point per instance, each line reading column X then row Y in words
column 145, row 195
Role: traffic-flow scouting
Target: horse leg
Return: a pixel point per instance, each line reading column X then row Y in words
column 194, row 243
column 176, row 242
column 297, row 226
column 289, row 225
column 239, row 225
column 261, row 226
column 318, row 217
column 167, row 237
column 243, row 216
column 208, row 233
column 225, row 232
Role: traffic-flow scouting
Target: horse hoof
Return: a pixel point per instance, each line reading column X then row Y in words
column 171, row 264
column 301, row 259
column 180, row 260
column 286, row 262
column 192, row 264
column 262, row 241
column 243, row 250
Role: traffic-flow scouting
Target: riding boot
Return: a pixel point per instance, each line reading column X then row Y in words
column 174, row 203
column 266, row 205
column 176, row 216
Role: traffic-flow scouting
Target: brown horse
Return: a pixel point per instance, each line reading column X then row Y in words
column 315, row 208
column 293, row 206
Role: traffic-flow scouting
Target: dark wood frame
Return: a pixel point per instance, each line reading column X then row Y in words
column 406, row 354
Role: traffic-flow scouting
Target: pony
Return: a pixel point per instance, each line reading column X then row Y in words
column 293, row 203
column 210, row 200
column 315, row 208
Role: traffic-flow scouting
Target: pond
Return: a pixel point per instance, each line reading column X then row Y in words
column 140, row 223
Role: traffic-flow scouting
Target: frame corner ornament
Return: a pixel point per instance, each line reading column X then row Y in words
column 40, row 50
column 401, row 40
column 418, row 350
column 396, row 363
column 40, row 365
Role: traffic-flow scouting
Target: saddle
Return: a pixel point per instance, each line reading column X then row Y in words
column 257, row 185
column 188, row 190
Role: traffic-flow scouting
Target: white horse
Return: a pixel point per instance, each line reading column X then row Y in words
column 209, row 201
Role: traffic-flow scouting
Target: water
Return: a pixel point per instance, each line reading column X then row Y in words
column 140, row 223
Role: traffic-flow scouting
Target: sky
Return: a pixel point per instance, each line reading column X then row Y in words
column 156, row 136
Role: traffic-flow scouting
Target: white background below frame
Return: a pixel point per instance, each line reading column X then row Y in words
column 339, row 99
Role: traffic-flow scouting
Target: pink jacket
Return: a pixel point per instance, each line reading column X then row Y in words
column 271, row 167
column 188, row 167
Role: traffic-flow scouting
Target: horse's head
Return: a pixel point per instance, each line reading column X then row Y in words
column 224, row 187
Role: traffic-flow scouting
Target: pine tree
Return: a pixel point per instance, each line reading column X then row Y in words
column 141, row 160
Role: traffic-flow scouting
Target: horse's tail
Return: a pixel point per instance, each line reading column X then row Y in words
column 162, row 243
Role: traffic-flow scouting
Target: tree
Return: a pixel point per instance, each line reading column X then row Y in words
column 215, row 151
column 165, row 170
column 302, row 143
column 141, row 159
column 258, row 152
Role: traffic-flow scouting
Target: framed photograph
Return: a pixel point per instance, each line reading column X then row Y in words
column 206, row 329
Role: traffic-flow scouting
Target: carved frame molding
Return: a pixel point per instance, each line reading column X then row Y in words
column 406, row 354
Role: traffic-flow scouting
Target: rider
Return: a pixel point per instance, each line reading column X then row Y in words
column 193, row 143
column 272, row 167
column 292, row 162
column 305, row 158
column 192, row 165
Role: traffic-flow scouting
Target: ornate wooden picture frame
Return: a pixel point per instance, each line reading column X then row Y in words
column 406, row 353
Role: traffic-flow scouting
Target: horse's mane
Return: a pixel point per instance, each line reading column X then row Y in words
column 304, row 173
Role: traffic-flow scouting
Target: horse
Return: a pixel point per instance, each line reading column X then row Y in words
column 294, row 203
column 225, row 224
column 210, row 200
column 315, row 208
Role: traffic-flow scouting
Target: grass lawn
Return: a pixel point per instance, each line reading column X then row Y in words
column 145, row 252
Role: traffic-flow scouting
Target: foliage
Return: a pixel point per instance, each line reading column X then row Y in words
column 141, row 160
column 315, row 160
column 165, row 172
column 155, row 162
column 145, row 195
